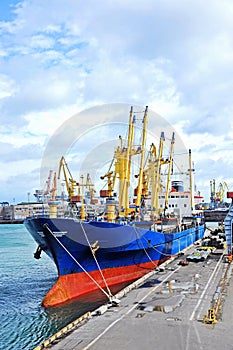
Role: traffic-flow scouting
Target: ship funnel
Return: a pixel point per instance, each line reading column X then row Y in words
column 177, row 186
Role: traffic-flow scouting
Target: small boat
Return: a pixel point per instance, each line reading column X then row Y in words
column 130, row 239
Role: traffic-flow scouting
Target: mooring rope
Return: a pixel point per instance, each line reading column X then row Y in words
column 168, row 255
column 139, row 239
column 84, row 270
column 101, row 272
column 153, row 247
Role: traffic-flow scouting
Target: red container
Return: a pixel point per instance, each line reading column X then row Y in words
column 103, row 193
column 76, row 199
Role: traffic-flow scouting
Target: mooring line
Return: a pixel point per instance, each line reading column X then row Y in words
column 84, row 270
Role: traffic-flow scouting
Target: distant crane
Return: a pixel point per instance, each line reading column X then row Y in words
column 90, row 186
column 76, row 190
column 42, row 194
column 53, row 190
column 212, row 191
column 48, row 183
column 222, row 188
column 216, row 197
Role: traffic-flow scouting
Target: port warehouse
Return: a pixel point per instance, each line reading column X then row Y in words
column 22, row 210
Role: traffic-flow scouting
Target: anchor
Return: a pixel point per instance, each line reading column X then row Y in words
column 37, row 254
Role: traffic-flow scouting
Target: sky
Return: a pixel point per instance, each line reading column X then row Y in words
column 59, row 59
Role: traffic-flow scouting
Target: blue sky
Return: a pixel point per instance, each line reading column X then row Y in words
column 58, row 58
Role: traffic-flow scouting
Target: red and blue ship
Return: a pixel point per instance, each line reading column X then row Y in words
column 124, row 252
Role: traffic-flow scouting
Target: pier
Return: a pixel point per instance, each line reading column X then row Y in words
column 215, row 215
column 181, row 305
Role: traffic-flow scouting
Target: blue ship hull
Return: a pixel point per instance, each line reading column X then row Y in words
column 123, row 252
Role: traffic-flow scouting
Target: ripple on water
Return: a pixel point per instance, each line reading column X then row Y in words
column 24, row 282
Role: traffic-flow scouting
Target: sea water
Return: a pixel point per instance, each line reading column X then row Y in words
column 24, row 281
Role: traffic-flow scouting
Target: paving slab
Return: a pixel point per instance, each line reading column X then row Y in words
column 165, row 312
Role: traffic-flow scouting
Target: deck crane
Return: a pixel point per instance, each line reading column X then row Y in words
column 111, row 182
column 156, row 161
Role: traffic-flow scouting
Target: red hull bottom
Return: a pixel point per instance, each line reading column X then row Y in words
column 71, row 286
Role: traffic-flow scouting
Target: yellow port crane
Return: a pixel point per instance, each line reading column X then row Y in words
column 69, row 181
column 217, row 196
column 222, row 188
column 73, row 187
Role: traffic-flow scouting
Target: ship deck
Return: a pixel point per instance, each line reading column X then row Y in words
column 164, row 310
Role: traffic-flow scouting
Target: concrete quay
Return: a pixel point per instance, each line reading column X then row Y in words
column 165, row 311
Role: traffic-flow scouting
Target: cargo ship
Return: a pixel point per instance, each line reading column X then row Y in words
column 129, row 239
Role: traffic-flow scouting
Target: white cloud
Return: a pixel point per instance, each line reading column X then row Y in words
column 6, row 87
column 42, row 42
column 56, row 58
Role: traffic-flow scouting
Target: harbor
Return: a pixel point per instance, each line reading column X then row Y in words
column 180, row 306
column 116, row 201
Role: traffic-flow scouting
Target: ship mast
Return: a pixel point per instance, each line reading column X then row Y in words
column 169, row 172
column 191, row 180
